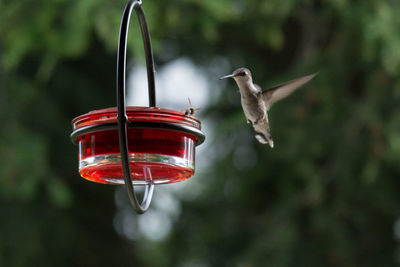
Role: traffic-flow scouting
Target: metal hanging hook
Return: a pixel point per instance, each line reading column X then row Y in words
column 121, row 101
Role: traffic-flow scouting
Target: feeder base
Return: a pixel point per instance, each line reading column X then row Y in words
column 145, row 168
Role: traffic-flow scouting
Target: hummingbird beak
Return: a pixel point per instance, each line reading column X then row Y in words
column 227, row 76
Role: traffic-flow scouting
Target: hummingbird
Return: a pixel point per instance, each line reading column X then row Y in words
column 256, row 103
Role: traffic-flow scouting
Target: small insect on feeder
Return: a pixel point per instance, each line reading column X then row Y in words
column 136, row 145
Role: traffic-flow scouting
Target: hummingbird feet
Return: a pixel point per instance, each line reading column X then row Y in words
column 260, row 121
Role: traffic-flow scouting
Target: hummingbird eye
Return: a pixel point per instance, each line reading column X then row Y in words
column 243, row 73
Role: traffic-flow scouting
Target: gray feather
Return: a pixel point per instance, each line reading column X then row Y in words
column 281, row 91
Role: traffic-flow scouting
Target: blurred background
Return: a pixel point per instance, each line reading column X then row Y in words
column 326, row 195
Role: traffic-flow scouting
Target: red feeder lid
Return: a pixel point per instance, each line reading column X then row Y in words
column 138, row 117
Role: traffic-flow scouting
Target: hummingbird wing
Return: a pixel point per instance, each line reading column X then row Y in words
column 281, row 91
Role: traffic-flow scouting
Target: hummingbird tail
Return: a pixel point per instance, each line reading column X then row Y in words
column 263, row 140
column 260, row 138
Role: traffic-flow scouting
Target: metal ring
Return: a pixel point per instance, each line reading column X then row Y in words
column 121, row 101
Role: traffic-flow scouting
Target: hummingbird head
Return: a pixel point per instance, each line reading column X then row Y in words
column 241, row 76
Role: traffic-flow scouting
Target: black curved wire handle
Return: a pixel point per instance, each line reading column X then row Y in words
column 121, row 101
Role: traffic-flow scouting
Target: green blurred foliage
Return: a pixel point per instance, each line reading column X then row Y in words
column 326, row 195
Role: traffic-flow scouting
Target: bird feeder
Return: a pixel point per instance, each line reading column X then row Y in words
column 136, row 146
